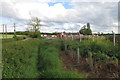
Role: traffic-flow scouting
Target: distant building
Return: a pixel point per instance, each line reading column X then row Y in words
column 61, row 35
column 44, row 35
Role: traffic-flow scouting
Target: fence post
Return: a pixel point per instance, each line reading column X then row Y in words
column 90, row 61
column 72, row 36
column 72, row 52
column 93, row 37
column 78, row 55
column 114, row 38
column 80, row 37
column 65, row 47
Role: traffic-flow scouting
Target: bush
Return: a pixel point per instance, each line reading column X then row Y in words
column 100, row 57
column 34, row 34
column 101, row 47
column 20, row 38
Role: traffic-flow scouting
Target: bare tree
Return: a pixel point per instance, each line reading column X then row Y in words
column 35, row 23
column 33, row 30
column 29, row 29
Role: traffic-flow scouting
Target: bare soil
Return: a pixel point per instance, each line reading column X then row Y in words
column 100, row 70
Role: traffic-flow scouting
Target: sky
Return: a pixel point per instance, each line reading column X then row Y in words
column 60, row 15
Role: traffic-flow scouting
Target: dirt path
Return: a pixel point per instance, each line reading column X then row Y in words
column 100, row 70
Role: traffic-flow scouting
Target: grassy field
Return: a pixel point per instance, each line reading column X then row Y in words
column 10, row 36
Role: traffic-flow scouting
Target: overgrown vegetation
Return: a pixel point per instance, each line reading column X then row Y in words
column 24, row 59
column 34, row 34
column 36, row 58
column 101, row 49
column 20, row 59
column 50, row 64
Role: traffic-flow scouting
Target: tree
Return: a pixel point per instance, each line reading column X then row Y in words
column 35, row 26
column 86, row 31
column 35, row 22
column 83, row 30
column 88, row 25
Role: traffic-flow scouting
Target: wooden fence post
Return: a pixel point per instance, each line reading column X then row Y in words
column 114, row 39
column 72, row 36
column 80, row 37
column 93, row 37
column 90, row 61
column 65, row 47
column 78, row 55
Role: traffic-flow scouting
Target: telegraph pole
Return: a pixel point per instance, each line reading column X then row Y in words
column 14, row 30
column 6, row 30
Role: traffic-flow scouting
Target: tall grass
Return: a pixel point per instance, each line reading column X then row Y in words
column 20, row 59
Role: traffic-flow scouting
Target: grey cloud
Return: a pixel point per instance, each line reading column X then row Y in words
column 7, row 10
column 101, row 15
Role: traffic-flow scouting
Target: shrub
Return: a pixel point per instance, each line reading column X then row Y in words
column 100, row 57
column 34, row 34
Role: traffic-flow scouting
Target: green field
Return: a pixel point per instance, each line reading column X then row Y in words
column 9, row 36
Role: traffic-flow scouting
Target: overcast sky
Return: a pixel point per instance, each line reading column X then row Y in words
column 61, row 15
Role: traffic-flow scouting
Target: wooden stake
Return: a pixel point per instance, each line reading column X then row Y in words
column 78, row 55
column 80, row 37
column 65, row 47
column 72, row 36
column 93, row 37
column 90, row 61
column 72, row 52
column 114, row 39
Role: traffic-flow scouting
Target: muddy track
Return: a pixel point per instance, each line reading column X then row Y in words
column 100, row 70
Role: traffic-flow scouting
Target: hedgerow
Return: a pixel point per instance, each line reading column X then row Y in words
column 98, row 47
